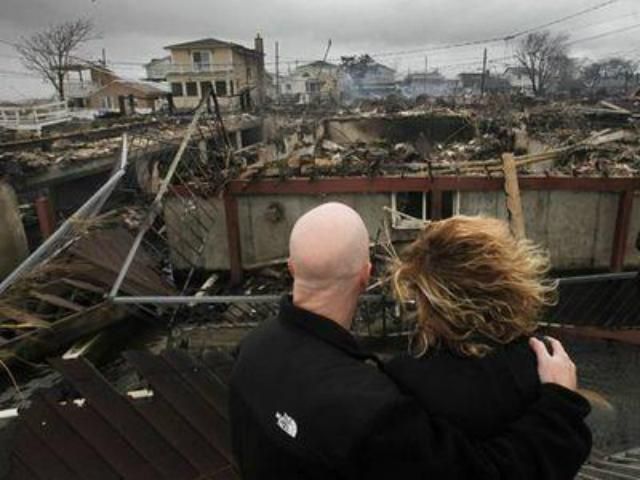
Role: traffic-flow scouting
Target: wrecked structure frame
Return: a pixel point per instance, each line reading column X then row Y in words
column 626, row 188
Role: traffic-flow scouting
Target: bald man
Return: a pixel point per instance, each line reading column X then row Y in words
column 306, row 402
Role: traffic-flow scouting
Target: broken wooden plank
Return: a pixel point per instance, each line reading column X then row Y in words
column 25, row 319
column 84, row 285
column 57, row 301
column 512, row 191
column 614, row 107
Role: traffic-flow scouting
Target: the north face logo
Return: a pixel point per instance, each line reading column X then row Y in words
column 287, row 424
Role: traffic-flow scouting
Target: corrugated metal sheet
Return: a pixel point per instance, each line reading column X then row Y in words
column 181, row 432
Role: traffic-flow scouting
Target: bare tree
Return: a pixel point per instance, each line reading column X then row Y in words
column 50, row 52
column 543, row 57
column 615, row 68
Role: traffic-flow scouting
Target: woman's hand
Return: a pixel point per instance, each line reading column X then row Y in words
column 555, row 366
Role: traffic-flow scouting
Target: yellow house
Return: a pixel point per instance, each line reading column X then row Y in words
column 235, row 72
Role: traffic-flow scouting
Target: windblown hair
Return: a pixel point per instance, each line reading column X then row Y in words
column 474, row 285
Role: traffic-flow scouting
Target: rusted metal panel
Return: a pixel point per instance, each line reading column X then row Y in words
column 98, row 432
column 129, row 423
column 187, row 402
column 62, row 439
column 180, row 432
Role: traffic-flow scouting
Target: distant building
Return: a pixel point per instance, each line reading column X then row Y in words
column 519, row 80
column 127, row 96
column 433, row 84
column 471, row 83
column 378, row 81
column 236, row 73
column 314, row 81
column 158, row 68
column 81, row 80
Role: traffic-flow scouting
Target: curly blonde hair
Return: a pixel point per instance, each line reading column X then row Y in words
column 473, row 285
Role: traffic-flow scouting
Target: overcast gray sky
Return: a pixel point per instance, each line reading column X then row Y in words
column 135, row 31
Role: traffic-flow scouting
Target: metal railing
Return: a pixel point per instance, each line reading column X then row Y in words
column 34, row 117
column 68, row 231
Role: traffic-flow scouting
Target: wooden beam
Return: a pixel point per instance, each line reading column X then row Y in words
column 623, row 227
column 57, row 301
column 306, row 186
column 513, row 200
column 233, row 237
column 46, row 216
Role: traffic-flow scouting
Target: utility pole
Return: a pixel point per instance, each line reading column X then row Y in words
column 104, row 57
column 426, row 73
column 277, row 73
column 484, row 74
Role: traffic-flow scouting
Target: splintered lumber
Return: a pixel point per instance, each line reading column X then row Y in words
column 606, row 137
column 40, row 343
column 512, row 191
column 57, row 301
column 611, row 106
column 22, row 318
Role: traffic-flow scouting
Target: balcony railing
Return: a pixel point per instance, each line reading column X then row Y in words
column 34, row 117
column 199, row 68
column 77, row 89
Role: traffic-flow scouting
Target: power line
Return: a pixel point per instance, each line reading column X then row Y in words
column 560, row 20
column 605, row 34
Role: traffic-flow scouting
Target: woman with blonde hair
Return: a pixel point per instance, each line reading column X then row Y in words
column 478, row 293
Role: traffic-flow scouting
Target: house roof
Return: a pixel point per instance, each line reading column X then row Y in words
column 144, row 89
column 317, row 64
column 211, row 43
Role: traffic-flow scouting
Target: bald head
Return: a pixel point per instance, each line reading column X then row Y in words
column 329, row 245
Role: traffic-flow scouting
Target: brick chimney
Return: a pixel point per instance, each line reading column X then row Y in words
column 259, row 47
column 259, row 44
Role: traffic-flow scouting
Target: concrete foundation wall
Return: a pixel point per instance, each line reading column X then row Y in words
column 577, row 227
column 265, row 224
column 13, row 240
column 633, row 255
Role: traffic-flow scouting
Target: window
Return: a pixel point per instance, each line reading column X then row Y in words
column 192, row 89
column 205, row 87
column 176, row 89
column 201, row 61
column 248, row 74
column 231, row 87
column 221, row 88
column 313, row 86
column 412, row 209
column 107, row 103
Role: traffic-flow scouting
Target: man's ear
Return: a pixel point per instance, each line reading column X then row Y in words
column 292, row 269
column 365, row 276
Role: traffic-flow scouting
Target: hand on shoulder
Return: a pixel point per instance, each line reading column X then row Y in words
column 554, row 366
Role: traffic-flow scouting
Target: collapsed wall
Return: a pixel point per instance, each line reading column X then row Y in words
column 13, row 240
column 576, row 227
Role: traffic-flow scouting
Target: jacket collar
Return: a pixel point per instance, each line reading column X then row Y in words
column 323, row 328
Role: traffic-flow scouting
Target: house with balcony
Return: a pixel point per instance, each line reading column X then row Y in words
column 234, row 72
column 82, row 80
column 157, row 69
column 314, row 81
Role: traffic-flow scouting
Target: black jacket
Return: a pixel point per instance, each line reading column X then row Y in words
column 307, row 403
column 481, row 396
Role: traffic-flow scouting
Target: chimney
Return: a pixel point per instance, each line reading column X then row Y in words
column 259, row 44
column 259, row 47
